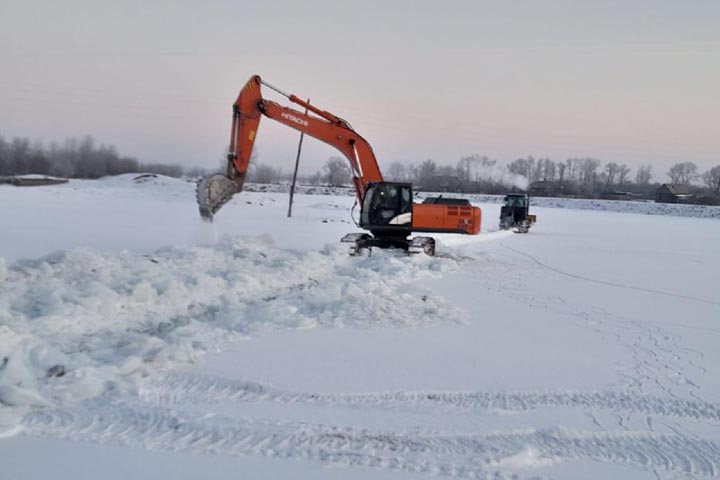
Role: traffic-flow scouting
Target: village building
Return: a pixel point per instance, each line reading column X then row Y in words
column 673, row 193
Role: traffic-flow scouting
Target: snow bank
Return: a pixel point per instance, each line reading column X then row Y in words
column 132, row 179
column 110, row 319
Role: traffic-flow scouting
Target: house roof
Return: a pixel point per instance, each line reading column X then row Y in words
column 676, row 188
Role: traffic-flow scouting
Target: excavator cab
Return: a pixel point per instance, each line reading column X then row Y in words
column 387, row 206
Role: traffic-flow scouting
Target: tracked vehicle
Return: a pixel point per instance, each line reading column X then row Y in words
column 388, row 212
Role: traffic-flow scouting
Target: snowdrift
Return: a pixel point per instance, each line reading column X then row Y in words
column 110, row 319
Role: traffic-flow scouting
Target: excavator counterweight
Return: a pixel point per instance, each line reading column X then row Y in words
column 387, row 208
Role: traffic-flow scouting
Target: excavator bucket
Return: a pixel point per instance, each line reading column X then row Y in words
column 213, row 192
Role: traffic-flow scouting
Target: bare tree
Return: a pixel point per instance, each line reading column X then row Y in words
column 315, row 178
column 561, row 167
column 533, row 169
column 4, row 165
column 644, row 174
column 611, row 170
column 474, row 167
column 616, row 174
column 484, row 168
column 446, row 171
column 622, row 174
column 398, row 172
column 336, row 172
column 588, row 171
column 573, row 169
column 61, row 165
column 85, row 165
column 465, row 168
column 682, row 173
column 548, row 169
column 537, row 168
column 711, row 179
column 524, row 167
column 19, row 152
column 37, row 162
column 262, row 173
column 425, row 174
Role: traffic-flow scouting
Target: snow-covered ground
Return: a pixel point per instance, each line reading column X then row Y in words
column 256, row 348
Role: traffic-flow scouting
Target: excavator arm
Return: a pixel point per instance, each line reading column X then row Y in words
column 248, row 108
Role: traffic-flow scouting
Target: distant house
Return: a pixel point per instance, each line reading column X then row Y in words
column 673, row 193
column 544, row 188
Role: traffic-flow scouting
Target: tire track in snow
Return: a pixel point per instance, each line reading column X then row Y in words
column 179, row 388
column 162, row 429
column 658, row 359
column 465, row 455
column 608, row 283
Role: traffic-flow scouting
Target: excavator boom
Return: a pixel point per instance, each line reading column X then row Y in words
column 248, row 108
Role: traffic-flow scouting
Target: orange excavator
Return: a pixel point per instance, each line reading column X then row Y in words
column 387, row 209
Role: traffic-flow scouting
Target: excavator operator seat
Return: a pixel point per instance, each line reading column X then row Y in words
column 387, row 204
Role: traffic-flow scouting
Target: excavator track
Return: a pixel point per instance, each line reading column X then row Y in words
column 212, row 192
column 363, row 242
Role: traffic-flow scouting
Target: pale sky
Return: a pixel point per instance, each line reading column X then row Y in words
column 625, row 81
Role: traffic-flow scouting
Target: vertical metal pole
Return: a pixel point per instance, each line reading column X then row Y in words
column 297, row 164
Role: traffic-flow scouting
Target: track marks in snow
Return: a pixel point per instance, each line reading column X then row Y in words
column 183, row 388
column 452, row 455
column 608, row 283
column 658, row 361
column 157, row 428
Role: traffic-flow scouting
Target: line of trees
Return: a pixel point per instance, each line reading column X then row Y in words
column 73, row 158
column 582, row 177
column 335, row 173
column 574, row 176
column 85, row 158
column 481, row 174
